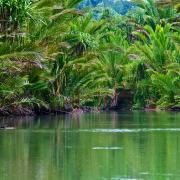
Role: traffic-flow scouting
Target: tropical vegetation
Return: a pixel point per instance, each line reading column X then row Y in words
column 55, row 57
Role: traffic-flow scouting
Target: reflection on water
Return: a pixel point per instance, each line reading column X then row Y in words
column 128, row 130
column 107, row 146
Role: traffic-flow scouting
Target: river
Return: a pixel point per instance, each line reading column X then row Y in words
column 93, row 146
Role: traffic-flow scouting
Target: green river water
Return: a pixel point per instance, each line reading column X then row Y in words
column 95, row 146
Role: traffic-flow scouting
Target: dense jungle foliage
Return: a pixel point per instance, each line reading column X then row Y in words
column 55, row 56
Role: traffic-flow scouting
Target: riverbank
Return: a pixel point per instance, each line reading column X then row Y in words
column 25, row 111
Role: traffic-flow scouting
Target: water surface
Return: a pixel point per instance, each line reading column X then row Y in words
column 97, row 146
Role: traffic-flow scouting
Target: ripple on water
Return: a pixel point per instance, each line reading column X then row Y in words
column 128, row 130
column 107, row 148
column 119, row 178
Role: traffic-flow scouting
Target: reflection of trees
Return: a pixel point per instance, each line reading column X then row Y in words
column 16, row 121
column 56, row 149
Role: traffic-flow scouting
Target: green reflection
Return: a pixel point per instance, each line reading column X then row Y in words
column 135, row 145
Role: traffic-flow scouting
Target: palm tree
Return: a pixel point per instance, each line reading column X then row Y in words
column 152, row 12
column 167, row 87
column 22, row 42
column 158, row 51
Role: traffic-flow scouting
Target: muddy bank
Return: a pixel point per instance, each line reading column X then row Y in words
column 26, row 111
column 77, row 111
